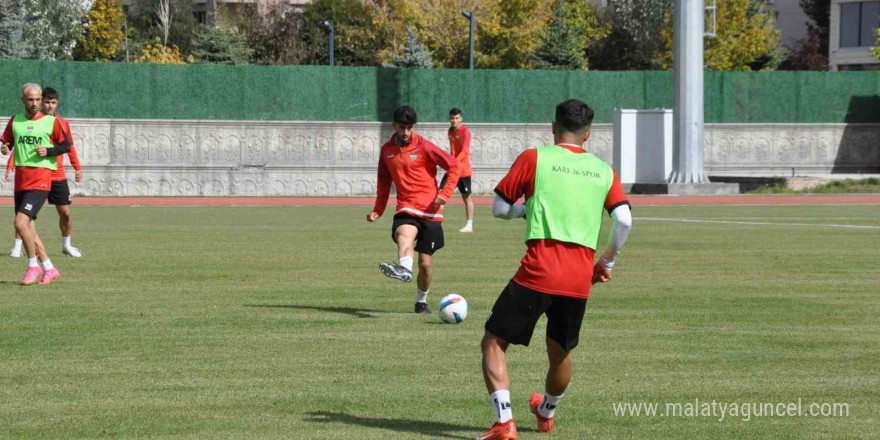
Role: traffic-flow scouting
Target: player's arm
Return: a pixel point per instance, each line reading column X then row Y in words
column 383, row 190
column 502, row 208
column 59, row 139
column 465, row 146
column 513, row 186
column 72, row 155
column 10, row 167
column 621, row 222
column 6, row 140
column 450, row 164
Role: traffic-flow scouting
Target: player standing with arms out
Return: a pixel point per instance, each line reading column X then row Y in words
column 59, row 193
column 565, row 189
column 460, row 148
column 37, row 140
column 410, row 162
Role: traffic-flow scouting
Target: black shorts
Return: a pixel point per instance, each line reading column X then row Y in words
column 59, row 193
column 518, row 308
column 29, row 202
column 464, row 184
column 430, row 237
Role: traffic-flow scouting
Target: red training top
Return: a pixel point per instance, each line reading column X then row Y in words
column 460, row 147
column 33, row 178
column 58, row 174
column 413, row 169
column 551, row 266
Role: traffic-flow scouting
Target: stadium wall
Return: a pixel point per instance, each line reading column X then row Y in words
column 125, row 157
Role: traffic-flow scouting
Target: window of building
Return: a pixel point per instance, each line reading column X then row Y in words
column 858, row 24
column 201, row 17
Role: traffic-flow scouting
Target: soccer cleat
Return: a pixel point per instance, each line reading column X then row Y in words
column 30, row 277
column 396, row 271
column 72, row 251
column 15, row 253
column 423, row 308
column 500, row 431
column 50, row 275
column 545, row 424
column 466, row 229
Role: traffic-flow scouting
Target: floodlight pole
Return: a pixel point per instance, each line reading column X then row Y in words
column 687, row 161
column 331, row 41
column 471, row 16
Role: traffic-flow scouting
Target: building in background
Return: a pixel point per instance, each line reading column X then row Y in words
column 853, row 32
column 790, row 20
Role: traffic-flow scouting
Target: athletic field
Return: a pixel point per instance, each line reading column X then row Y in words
column 274, row 323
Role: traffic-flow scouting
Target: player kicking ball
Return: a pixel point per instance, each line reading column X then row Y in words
column 410, row 162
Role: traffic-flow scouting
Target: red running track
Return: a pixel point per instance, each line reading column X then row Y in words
column 368, row 201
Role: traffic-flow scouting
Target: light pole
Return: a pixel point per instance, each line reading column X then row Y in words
column 329, row 25
column 471, row 16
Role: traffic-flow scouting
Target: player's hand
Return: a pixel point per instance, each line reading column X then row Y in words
column 41, row 151
column 78, row 176
column 371, row 217
column 440, row 201
column 4, row 149
column 600, row 274
column 8, row 175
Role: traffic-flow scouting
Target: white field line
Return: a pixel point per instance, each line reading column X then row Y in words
column 731, row 222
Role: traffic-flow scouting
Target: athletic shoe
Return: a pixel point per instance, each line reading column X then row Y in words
column 500, row 431
column 15, row 253
column 423, row 308
column 545, row 424
column 396, row 271
column 30, row 277
column 467, row 229
column 50, row 275
column 72, row 251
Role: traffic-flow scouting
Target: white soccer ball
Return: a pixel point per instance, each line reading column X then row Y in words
column 453, row 308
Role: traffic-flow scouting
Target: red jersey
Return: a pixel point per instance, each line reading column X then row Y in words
column 551, row 266
column 32, row 178
column 58, row 174
column 413, row 170
column 460, row 148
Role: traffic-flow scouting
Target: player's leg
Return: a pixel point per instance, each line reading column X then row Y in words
column 404, row 231
column 17, row 246
column 50, row 272
column 429, row 241
column 27, row 206
column 464, row 187
column 59, row 195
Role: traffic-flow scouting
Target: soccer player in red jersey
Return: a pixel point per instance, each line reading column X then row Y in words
column 410, row 162
column 37, row 140
column 460, row 148
column 59, row 193
column 565, row 190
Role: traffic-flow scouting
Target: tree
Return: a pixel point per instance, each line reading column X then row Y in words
column 632, row 39
column 274, row 37
column 412, row 55
column 358, row 41
column 51, row 27
column 12, row 44
column 443, row 29
column 561, row 49
column 103, row 34
column 158, row 53
column 806, row 55
column 746, row 38
column 819, row 12
column 146, row 23
column 219, row 45
column 876, row 49
column 509, row 36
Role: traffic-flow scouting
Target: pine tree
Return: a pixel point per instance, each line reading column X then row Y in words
column 412, row 55
column 12, row 44
column 218, row 45
column 819, row 12
column 560, row 48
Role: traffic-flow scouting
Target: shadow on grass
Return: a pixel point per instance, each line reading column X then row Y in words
column 357, row 313
column 437, row 429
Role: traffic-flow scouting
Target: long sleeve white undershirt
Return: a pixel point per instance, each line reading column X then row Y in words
column 621, row 223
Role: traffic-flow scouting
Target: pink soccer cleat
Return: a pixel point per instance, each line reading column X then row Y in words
column 30, row 277
column 50, row 275
column 500, row 431
column 545, row 424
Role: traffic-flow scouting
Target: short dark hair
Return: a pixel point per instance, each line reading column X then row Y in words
column 455, row 111
column 50, row 93
column 574, row 115
column 406, row 115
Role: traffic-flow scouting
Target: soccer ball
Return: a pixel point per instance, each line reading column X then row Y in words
column 453, row 308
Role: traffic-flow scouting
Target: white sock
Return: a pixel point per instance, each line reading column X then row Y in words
column 17, row 245
column 422, row 297
column 501, row 400
column 47, row 265
column 32, row 262
column 65, row 241
column 406, row 262
column 470, row 223
column 548, row 406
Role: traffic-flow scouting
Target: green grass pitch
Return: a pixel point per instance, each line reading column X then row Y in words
column 274, row 323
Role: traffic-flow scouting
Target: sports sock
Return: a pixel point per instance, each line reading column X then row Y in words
column 470, row 223
column 406, row 262
column 422, row 297
column 32, row 262
column 47, row 265
column 17, row 245
column 501, row 400
column 548, row 406
column 65, row 241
